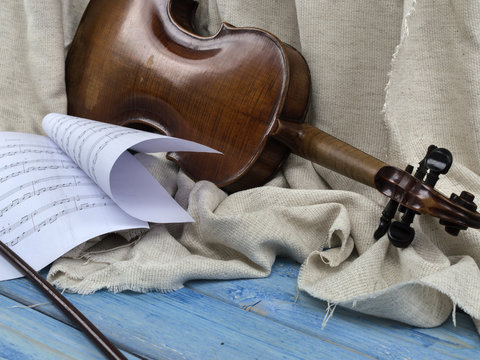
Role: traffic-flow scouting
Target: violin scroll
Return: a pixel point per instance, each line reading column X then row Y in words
column 465, row 200
column 241, row 91
column 460, row 209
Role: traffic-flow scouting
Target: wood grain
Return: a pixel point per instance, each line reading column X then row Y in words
column 62, row 303
column 188, row 324
column 277, row 298
column 132, row 64
column 28, row 334
column 328, row 151
column 241, row 91
column 256, row 318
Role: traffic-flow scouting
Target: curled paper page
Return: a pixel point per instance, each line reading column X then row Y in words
column 48, row 205
column 101, row 151
column 58, row 192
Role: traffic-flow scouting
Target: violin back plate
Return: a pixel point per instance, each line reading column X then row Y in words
column 139, row 63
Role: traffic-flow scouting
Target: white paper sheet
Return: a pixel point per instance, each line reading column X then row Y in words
column 100, row 149
column 47, row 204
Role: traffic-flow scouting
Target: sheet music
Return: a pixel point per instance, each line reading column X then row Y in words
column 100, row 149
column 48, row 205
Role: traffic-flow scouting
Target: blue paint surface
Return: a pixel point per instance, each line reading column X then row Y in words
column 240, row 319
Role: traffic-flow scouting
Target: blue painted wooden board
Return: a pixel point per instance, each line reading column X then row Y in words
column 242, row 319
column 28, row 334
column 186, row 324
column 274, row 297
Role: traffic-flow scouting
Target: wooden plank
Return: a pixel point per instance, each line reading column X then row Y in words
column 276, row 297
column 195, row 323
column 185, row 324
column 28, row 334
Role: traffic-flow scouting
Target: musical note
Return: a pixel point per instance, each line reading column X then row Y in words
column 32, row 186
column 43, row 197
column 72, row 136
column 95, row 201
column 27, row 151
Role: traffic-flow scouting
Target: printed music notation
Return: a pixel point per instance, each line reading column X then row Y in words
column 77, row 203
column 34, row 188
column 59, row 191
column 100, row 150
column 44, row 166
column 57, row 163
column 47, row 203
column 89, row 140
column 23, row 149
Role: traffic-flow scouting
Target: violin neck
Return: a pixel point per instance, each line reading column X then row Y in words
column 321, row 148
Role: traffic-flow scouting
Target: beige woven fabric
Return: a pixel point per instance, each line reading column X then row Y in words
column 388, row 77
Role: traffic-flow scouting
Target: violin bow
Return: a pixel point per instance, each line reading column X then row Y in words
column 66, row 306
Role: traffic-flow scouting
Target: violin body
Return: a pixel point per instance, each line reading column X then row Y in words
column 242, row 91
column 138, row 63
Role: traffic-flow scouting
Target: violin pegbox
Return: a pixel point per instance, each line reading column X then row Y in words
column 465, row 199
column 436, row 162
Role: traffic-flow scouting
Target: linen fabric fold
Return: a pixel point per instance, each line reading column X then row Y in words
column 388, row 77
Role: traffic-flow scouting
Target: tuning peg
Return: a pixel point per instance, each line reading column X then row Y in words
column 438, row 162
column 386, row 219
column 401, row 234
column 466, row 200
column 388, row 213
column 421, row 170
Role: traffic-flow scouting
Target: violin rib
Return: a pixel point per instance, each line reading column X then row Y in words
column 241, row 91
column 140, row 68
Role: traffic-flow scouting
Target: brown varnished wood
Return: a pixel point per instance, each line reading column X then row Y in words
column 187, row 86
column 328, row 151
column 110, row 350
column 414, row 194
column 241, row 91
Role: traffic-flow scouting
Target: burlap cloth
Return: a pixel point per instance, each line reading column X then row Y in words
column 388, row 77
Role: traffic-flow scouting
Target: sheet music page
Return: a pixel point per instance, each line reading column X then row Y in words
column 48, row 205
column 100, row 149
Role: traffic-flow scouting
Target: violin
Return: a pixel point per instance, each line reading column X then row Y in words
column 141, row 63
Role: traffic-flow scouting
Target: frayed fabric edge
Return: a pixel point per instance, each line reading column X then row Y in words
column 352, row 302
column 408, row 12
column 328, row 313
column 86, row 290
column 403, row 36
